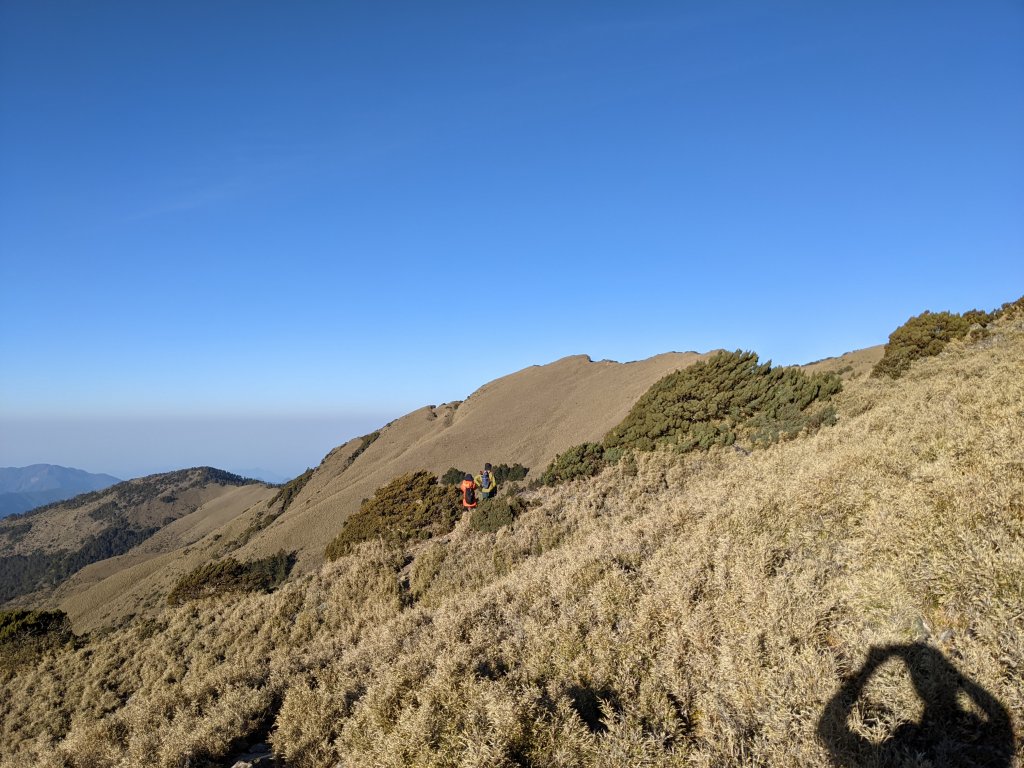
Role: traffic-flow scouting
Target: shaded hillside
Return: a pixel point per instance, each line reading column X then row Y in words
column 24, row 488
column 849, row 597
column 42, row 548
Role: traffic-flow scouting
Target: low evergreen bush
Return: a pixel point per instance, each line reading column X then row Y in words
column 727, row 397
column 230, row 575
column 584, row 460
column 453, row 476
column 504, row 473
column 492, row 514
column 17, row 625
column 413, row 506
column 924, row 335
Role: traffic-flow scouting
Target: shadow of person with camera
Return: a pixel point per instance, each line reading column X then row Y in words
column 948, row 734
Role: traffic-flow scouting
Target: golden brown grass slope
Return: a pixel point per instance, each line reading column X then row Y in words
column 144, row 502
column 103, row 593
column 42, row 549
column 525, row 417
column 699, row 610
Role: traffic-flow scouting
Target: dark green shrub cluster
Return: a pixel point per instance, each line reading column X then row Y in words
column 365, row 442
column 413, row 506
column 724, row 398
column 16, row 531
column 284, row 497
column 924, row 336
column 584, row 460
column 21, row 574
column 492, row 514
column 230, row 575
column 504, row 473
column 728, row 397
column 18, row 625
column 453, row 476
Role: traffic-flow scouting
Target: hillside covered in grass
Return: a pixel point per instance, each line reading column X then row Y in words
column 849, row 595
column 43, row 548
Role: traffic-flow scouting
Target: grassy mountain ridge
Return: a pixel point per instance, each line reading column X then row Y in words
column 526, row 417
column 46, row 546
column 698, row 609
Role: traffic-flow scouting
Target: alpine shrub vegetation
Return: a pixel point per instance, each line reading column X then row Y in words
column 17, row 625
column 412, row 506
column 504, row 473
column 584, row 460
column 728, row 397
column 924, row 335
column 231, row 575
column 453, row 476
column 492, row 514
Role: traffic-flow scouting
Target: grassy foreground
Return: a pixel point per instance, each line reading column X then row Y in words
column 699, row 610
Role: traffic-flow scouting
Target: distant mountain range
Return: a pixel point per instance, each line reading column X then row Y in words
column 25, row 488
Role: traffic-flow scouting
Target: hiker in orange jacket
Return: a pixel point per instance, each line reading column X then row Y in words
column 468, row 488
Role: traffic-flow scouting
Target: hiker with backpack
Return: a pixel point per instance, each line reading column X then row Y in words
column 486, row 483
column 468, row 488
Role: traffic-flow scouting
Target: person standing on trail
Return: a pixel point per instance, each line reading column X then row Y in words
column 468, row 488
column 485, row 481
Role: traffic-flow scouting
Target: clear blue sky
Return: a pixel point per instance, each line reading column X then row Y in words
column 336, row 212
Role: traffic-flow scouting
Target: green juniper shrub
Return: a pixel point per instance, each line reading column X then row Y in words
column 724, row 398
column 504, row 473
column 365, row 442
column 26, row 635
column 230, row 575
column 453, row 476
column 286, row 495
column 492, row 514
column 413, row 506
column 584, row 460
column 17, row 625
column 924, row 335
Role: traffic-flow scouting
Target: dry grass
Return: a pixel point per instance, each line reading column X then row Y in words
column 697, row 611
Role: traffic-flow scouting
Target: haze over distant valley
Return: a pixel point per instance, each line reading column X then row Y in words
column 24, row 488
column 131, row 446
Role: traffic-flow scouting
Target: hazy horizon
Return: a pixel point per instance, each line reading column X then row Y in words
column 134, row 447
column 234, row 211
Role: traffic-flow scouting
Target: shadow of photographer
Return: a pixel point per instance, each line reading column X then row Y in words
column 947, row 734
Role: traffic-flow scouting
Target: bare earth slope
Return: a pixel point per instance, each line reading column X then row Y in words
column 526, row 417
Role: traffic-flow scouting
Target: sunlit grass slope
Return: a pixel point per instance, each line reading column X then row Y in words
column 696, row 610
